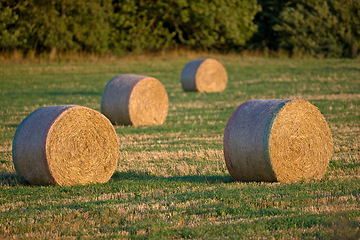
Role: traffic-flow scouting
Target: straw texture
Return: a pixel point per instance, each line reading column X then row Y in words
column 135, row 100
column 65, row 145
column 204, row 75
column 277, row 140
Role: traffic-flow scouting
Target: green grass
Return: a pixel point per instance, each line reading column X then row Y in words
column 171, row 181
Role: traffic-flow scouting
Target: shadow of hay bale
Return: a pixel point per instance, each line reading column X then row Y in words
column 138, row 175
column 11, row 179
column 203, row 178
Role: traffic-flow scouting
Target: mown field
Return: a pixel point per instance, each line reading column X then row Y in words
column 171, row 181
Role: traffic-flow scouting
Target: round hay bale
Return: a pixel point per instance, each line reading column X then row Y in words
column 204, row 75
column 277, row 140
column 135, row 100
column 65, row 145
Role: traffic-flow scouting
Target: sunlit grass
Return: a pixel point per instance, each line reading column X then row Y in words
column 171, row 180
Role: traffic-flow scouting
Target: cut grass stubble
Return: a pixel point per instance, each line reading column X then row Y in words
column 171, row 180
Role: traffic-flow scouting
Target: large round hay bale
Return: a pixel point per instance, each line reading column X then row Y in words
column 204, row 75
column 277, row 140
column 65, row 145
column 135, row 100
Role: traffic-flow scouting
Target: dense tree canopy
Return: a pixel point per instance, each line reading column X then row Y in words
column 328, row 28
column 98, row 26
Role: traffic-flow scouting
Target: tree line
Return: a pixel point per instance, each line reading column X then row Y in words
column 326, row 28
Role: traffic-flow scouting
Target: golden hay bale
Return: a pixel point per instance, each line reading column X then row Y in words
column 65, row 145
column 135, row 100
column 277, row 140
column 204, row 75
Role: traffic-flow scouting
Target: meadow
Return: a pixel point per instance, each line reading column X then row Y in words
column 171, row 181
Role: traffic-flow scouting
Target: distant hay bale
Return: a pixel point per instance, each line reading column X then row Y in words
column 65, row 145
column 277, row 140
column 204, row 75
column 135, row 100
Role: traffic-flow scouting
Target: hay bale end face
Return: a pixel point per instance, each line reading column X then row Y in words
column 65, row 145
column 277, row 140
column 204, row 75
column 135, row 100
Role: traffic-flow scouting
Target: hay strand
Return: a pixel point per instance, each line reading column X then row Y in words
column 135, row 100
column 65, row 145
column 204, row 75
column 277, row 140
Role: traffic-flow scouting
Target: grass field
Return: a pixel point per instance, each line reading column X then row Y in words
column 171, row 181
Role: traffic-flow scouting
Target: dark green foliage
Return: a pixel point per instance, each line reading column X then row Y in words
column 265, row 37
column 8, row 34
column 137, row 25
column 207, row 25
column 327, row 28
column 42, row 25
column 99, row 26
column 156, row 25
